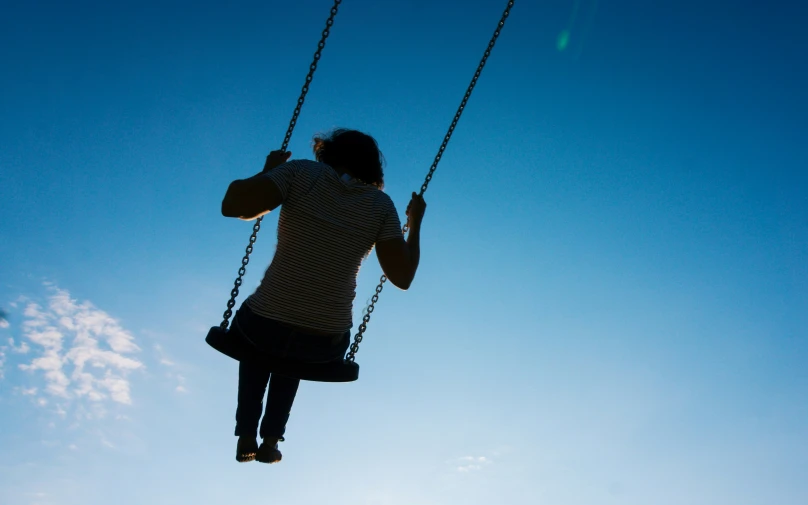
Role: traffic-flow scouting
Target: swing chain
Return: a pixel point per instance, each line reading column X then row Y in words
column 466, row 97
column 287, row 138
column 320, row 45
column 351, row 357
column 372, row 306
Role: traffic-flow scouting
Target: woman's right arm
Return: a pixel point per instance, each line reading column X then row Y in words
column 398, row 257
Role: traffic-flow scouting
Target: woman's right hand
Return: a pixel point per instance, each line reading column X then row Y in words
column 416, row 209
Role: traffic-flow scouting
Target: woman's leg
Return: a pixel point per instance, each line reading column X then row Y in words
column 281, row 396
column 252, row 383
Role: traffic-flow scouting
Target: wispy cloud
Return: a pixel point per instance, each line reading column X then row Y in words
column 169, row 363
column 3, row 325
column 21, row 349
column 181, row 385
column 163, row 357
column 82, row 351
column 471, row 463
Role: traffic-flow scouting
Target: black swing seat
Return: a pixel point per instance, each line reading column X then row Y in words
column 234, row 345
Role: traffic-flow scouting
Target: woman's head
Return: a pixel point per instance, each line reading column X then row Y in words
column 352, row 151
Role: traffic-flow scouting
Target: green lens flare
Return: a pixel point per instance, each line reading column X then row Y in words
column 563, row 40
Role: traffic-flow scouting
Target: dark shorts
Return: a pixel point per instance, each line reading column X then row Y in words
column 284, row 341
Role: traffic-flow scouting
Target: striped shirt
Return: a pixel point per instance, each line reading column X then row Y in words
column 327, row 225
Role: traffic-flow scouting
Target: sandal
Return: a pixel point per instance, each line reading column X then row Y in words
column 246, row 449
column 268, row 452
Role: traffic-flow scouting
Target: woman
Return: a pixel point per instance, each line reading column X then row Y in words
column 333, row 212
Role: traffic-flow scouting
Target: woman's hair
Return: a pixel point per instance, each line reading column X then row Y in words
column 353, row 151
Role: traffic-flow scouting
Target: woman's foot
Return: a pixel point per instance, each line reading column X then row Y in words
column 268, row 452
column 246, row 449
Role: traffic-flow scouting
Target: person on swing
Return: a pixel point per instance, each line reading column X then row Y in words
column 333, row 212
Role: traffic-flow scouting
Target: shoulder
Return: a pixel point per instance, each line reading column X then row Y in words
column 310, row 166
column 297, row 167
column 384, row 200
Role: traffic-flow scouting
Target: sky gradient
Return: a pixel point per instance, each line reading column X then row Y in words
column 612, row 302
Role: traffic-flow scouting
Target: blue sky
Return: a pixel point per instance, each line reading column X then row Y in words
column 612, row 303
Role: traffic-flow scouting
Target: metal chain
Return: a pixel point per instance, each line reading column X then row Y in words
column 257, row 226
column 351, row 356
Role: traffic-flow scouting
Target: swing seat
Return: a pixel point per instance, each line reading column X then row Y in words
column 234, row 345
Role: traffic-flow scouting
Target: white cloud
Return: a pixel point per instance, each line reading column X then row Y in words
column 471, row 463
column 3, row 348
column 164, row 359
column 22, row 349
column 181, row 385
column 167, row 362
column 82, row 352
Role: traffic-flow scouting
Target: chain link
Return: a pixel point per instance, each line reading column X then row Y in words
column 288, row 137
column 372, row 306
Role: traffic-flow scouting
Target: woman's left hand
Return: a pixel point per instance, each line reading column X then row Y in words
column 276, row 158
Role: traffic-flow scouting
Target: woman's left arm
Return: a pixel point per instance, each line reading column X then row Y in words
column 251, row 198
